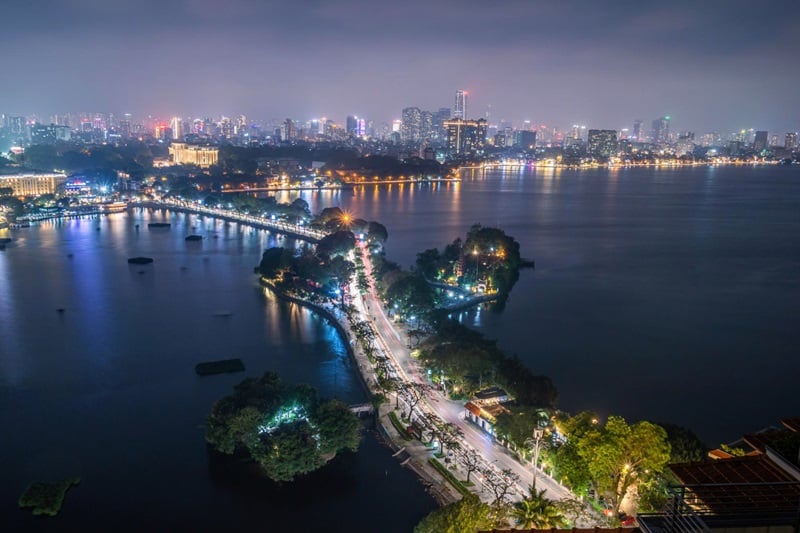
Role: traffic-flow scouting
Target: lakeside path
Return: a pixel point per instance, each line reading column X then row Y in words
column 496, row 457
column 393, row 345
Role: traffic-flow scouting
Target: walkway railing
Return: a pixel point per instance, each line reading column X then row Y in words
column 295, row 230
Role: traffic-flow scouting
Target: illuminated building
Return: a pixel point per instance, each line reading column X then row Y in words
column 660, row 130
column 33, row 184
column 49, row 134
column 125, row 126
column 411, row 127
column 288, row 131
column 637, row 131
column 192, row 154
column 526, row 140
column 760, row 141
column 351, row 125
column 460, row 109
column 465, row 136
column 176, row 124
column 790, row 141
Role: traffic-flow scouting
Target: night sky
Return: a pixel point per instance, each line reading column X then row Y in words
column 717, row 65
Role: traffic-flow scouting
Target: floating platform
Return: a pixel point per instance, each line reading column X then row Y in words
column 159, row 225
column 140, row 260
column 224, row 366
column 191, row 238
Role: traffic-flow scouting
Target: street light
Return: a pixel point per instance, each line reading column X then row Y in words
column 537, row 436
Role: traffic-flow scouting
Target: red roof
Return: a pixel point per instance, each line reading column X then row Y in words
column 472, row 408
column 739, row 485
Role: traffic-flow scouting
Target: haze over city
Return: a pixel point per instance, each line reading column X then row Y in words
column 442, row 267
column 720, row 65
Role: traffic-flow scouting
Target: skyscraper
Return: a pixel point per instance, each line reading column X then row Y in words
column 637, row 130
column 351, row 125
column 176, row 124
column 790, row 141
column 460, row 109
column 411, row 128
column 288, row 131
column 525, row 140
column 660, row 131
column 602, row 143
column 465, row 136
column 760, row 141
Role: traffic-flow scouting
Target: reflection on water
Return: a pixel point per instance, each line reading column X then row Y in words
column 106, row 389
column 647, row 282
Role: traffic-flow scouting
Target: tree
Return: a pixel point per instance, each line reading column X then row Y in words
column 286, row 429
column 537, row 511
column 377, row 233
column 685, row 446
column 428, row 263
column 501, row 484
column 338, row 243
column 518, row 425
column 274, row 260
column 412, row 393
column 338, row 427
column 470, row 460
column 618, row 455
column 466, row 515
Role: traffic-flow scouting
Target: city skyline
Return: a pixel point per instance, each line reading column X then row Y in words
column 717, row 66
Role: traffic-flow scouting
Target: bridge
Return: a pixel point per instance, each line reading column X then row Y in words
column 259, row 222
column 362, row 409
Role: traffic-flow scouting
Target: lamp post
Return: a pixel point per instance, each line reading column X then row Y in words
column 475, row 255
column 537, row 436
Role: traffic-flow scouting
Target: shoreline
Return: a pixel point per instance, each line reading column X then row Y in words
column 434, row 483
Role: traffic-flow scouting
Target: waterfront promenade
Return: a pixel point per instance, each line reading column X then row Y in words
column 393, row 352
column 256, row 221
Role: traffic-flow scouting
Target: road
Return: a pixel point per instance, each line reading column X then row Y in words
column 395, row 344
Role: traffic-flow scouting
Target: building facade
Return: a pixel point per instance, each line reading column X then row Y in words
column 30, row 184
column 465, row 137
column 192, row 154
column 602, row 143
column 460, row 109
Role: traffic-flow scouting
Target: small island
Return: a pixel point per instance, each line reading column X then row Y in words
column 46, row 498
column 287, row 429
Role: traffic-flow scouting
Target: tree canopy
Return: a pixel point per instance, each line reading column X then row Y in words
column 466, row 515
column 614, row 455
column 287, row 429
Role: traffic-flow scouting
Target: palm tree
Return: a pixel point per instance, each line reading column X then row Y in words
column 536, row 511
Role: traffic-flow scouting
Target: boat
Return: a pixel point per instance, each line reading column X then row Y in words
column 194, row 237
column 159, row 225
column 140, row 260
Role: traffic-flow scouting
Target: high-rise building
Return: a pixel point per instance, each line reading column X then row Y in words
column 465, row 137
column 525, row 140
column 411, row 128
column 176, row 125
column 602, row 143
column 288, row 131
column 351, row 125
column 790, row 141
column 125, row 129
column 637, row 131
column 760, row 141
column 460, row 109
column 660, row 130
